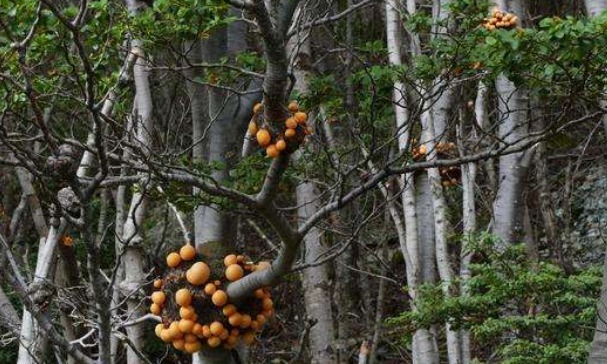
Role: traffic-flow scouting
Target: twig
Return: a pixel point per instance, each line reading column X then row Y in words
column 302, row 340
column 262, row 235
column 147, row 317
column 180, row 217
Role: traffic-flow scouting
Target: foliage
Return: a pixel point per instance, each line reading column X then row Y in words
column 8, row 354
column 183, row 19
column 557, row 57
column 523, row 311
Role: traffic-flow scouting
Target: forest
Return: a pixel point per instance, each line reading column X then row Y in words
column 303, row 181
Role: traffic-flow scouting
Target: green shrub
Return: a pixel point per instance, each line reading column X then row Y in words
column 517, row 310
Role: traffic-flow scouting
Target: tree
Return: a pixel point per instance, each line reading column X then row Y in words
column 125, row 127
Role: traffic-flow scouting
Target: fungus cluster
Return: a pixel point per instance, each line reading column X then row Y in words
column 500, row 20
column 195, row 309
column 443, row 149
column 451, row 175
column 279, row 139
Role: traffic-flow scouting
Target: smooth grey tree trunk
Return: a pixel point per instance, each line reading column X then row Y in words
column 507, row 207
column 434, row 125
column 219, row 122
column 595, row 7
column 133, row 259
column 421, row 262
column 315, row 279
column 213, row 110
column 28, row 340
column 30, row 347
column 199, row 110
column 222, row 128
column 468, row 204
column 316, row 285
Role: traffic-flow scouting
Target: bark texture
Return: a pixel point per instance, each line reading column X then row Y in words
column 219, row 120
column 31, row 342
column 9, row 318
column 415, row 238
column 316, row 284
column 132, row 235
column 507, row 219
column 315, row 280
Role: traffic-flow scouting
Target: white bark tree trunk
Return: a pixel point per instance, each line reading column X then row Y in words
column 316, row 285
column 439, row 217
column 434, row 128
column 133, row 258
column 468, row 206
column 214, row 111
column 420, row 267
column 30, row 343
column 507, row 207
column 315, row 280
column 227, row 117
column 219, row 121
column 199, row 110
column 595, row 7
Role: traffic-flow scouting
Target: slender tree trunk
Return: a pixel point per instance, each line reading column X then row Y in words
column 227, row 116
column 434, row 129
column 133, row 258
column 421, row 266
column 379, row 311
column 346, row 289
column 119, row 220
column 134, row 255
column 507, row 207
column 30, row 343
column 439, row 113
column 199, row 106
column 468, row 204
column 62, row 281
column 595, row 7
column 469, row 219
column 316, row 286
column 33, row 203
column 213, row 227
column 223, row 117
column 315, row 280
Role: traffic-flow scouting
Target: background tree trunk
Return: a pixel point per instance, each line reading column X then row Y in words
column 220, row 121
column 421, row 256
column 315, row 279
column 507, row 219
column 134, row 243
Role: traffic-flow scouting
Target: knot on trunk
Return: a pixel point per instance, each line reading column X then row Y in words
column 132, row 289
column 64, row 165
column 54, row 216
column 41, row 293
column 69, row 201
